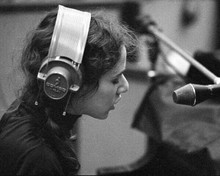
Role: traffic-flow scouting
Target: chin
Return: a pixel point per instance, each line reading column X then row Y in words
column 100, row 116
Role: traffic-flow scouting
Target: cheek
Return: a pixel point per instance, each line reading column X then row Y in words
column 105, row 95
column 99, row 105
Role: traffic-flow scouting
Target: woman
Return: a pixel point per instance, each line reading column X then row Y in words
column 34, row 132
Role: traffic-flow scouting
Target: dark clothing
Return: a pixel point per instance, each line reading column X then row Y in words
column 28, row 147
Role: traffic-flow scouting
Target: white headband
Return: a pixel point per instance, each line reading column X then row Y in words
column 70, row 34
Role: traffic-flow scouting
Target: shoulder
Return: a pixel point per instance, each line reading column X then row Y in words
column 40, row 161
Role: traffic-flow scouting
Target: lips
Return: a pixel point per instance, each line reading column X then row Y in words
column 119, row 98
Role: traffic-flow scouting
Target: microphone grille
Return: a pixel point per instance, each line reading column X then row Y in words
column 185, row 95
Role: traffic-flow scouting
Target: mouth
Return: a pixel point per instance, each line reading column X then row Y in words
column 118, row 99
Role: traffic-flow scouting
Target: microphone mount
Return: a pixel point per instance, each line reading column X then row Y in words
column 149, row 27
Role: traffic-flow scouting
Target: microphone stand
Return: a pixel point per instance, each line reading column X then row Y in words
column 148, row 27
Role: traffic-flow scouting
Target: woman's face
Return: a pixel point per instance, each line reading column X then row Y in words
column 111, row 86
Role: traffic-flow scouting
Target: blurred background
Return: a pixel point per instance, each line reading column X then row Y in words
column 191, row 24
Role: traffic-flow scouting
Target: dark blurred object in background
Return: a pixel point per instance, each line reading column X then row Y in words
column 211, row 61
column 129, row 12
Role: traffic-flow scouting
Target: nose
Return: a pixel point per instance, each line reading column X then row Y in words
column 124, row 87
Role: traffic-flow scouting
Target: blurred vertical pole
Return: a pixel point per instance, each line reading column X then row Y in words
column 217, row 32
column 129, row 13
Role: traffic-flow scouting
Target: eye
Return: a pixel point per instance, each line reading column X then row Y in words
column 115, row 81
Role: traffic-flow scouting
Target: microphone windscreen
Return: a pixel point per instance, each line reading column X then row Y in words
column 185, row 95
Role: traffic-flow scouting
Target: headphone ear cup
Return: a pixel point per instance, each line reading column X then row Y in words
column 59, row 76
column 60, row 72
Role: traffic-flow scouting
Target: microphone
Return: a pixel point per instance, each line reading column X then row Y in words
column 192, row 94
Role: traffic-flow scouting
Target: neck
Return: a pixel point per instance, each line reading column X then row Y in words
column 61, row 124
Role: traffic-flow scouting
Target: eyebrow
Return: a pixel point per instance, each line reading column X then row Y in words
column 120, row 73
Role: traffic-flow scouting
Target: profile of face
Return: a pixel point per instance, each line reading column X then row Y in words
column 112, row 85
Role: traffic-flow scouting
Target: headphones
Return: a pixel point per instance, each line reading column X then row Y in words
column 59, row 72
